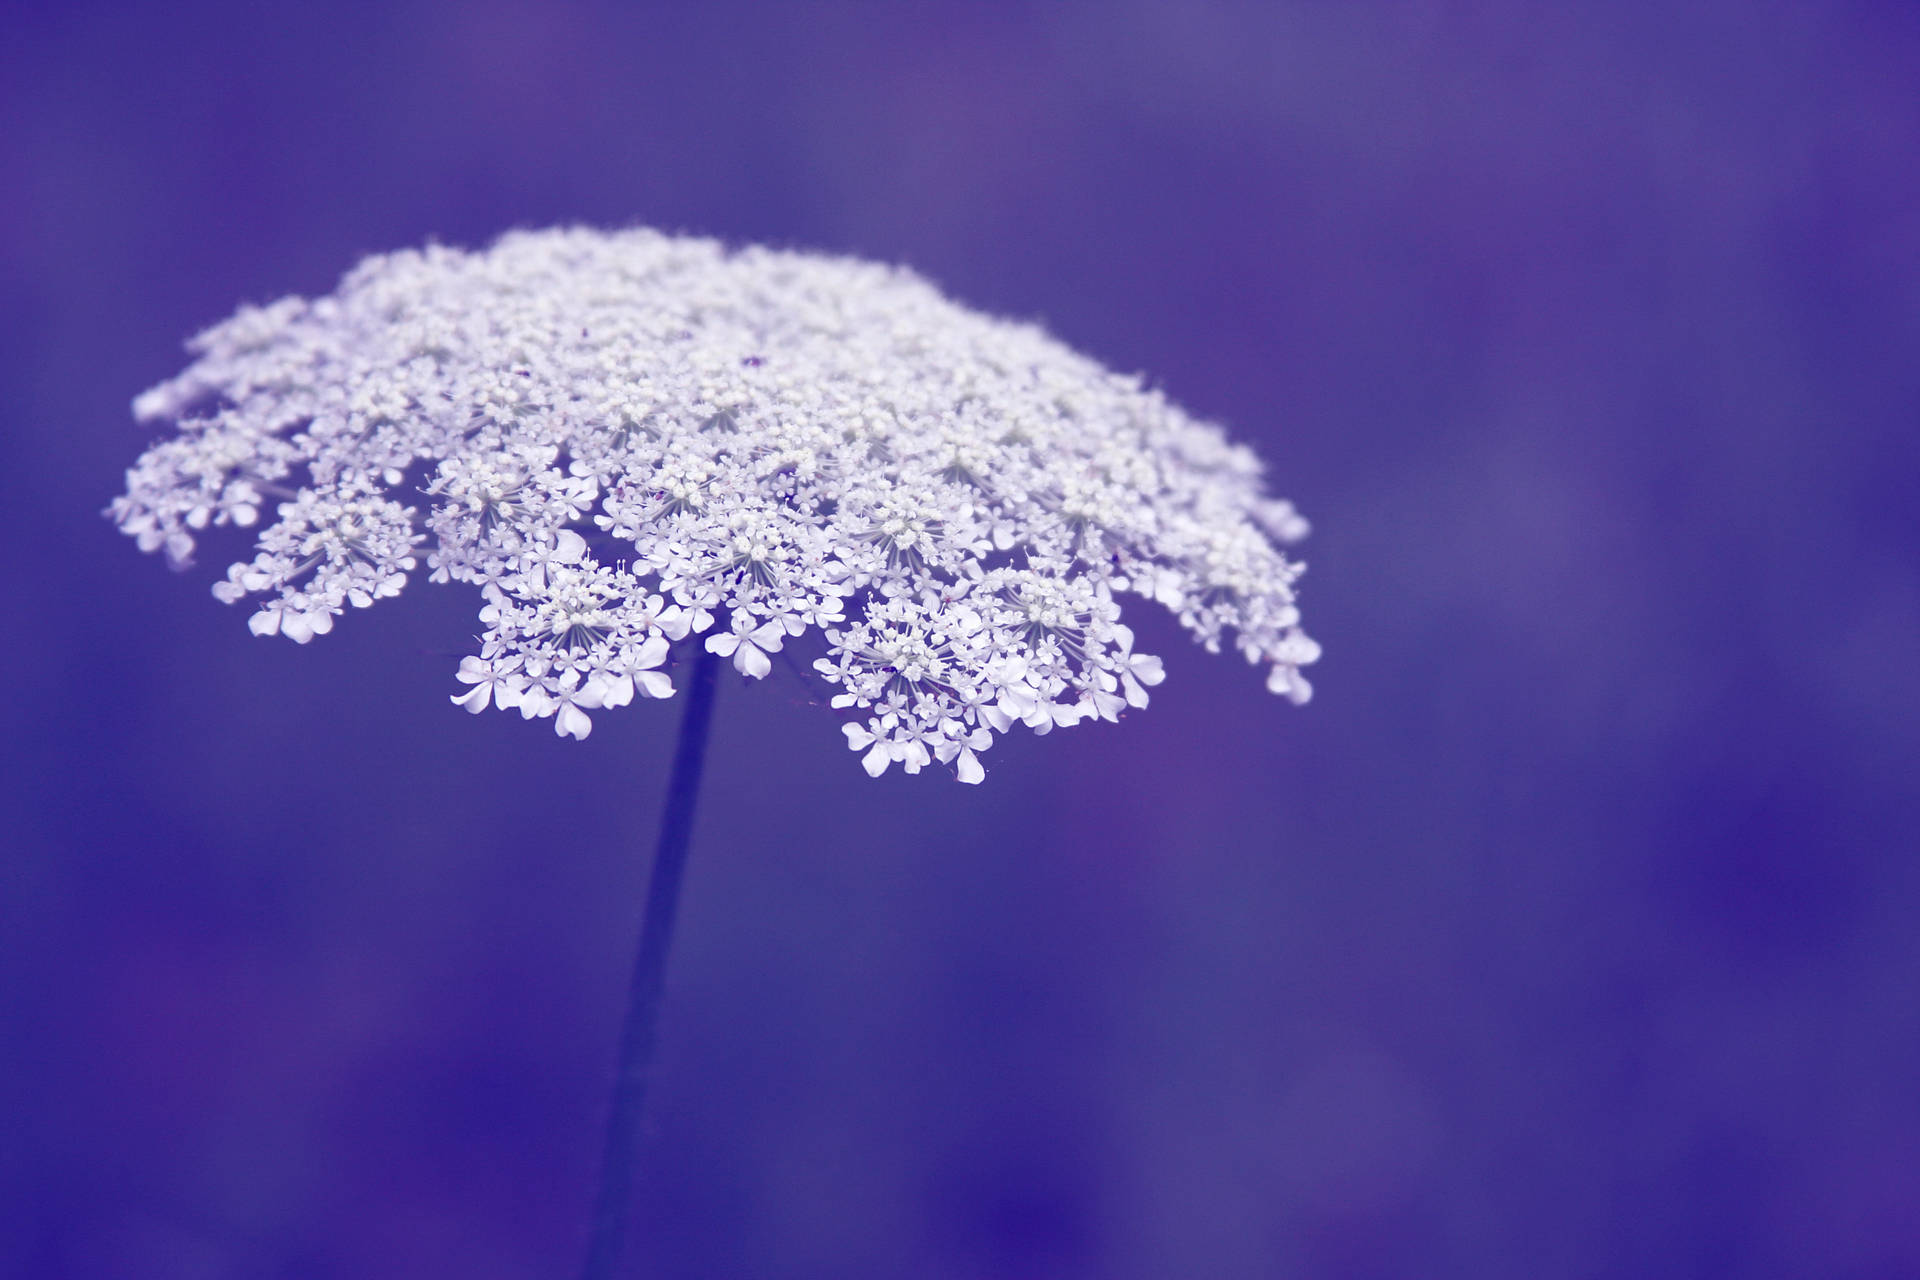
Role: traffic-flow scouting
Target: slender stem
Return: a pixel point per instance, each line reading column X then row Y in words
column 649, row 976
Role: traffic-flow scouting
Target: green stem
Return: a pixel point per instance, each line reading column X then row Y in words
column 638, row 1036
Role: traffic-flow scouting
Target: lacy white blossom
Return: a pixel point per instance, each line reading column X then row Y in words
column 626, row 439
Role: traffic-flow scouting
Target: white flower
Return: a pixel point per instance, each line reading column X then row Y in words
column 635, row 668
column 495, row 679
column 749, row 645
column 629, row 439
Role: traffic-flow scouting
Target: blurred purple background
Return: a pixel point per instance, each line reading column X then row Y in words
column 1574, row 930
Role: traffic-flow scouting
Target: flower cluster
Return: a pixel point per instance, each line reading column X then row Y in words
column 625, row 439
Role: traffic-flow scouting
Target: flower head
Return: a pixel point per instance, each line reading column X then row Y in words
column 625, row 439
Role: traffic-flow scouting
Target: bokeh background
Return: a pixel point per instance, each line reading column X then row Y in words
column 1573, row 931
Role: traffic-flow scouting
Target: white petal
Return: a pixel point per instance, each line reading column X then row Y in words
column 474, row 699
column 652, row 653
column 571, row 549
column 723, row 643
column 1298, row 649
column 572, row 720
column 1017, row 702
column 875, row 762
column 616, row 691
column 751, row 662
column 654, row 684
column 970, row 771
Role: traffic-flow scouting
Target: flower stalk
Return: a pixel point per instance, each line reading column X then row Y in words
column 639, row 1034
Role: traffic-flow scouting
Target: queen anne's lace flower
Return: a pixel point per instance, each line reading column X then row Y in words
column 624, row 439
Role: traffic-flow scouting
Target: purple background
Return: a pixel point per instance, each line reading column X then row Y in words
column 1572, row 931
